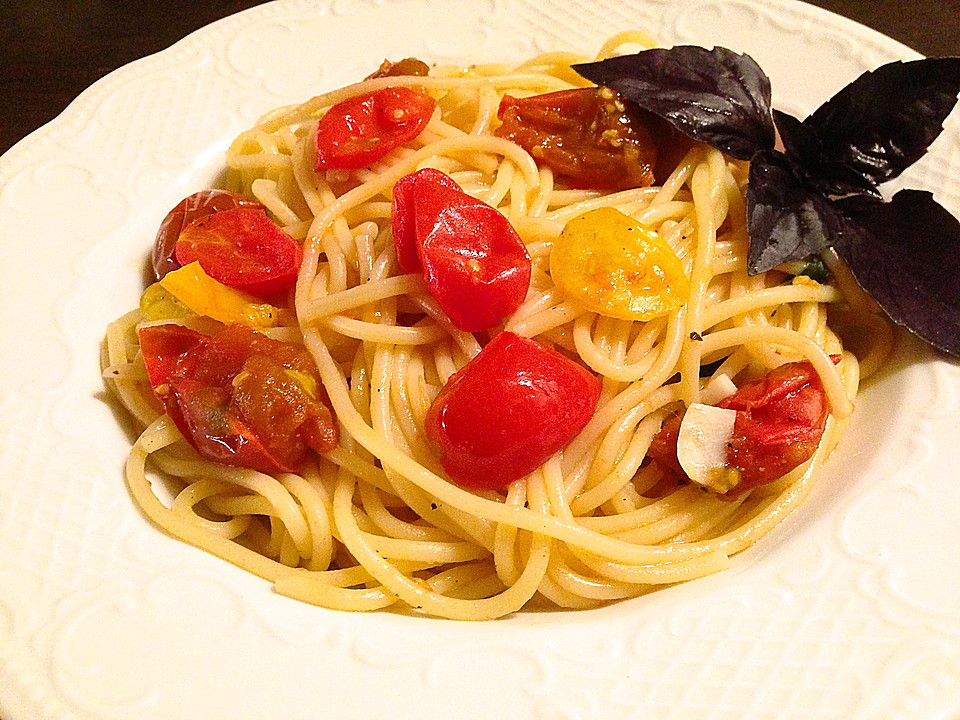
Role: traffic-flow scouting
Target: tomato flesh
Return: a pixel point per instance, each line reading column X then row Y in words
column 193, row 207
column 473, row 261
column 162, row 345
column 780, row 420
column 616, row 267
column 359, row 131
column 239, row 398
column 508, row 410
column 587, row 136
column 243, row 249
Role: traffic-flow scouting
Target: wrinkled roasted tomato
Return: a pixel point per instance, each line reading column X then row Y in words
column 407, row 66
column 588, row 136
column 780, row 420
column 474, row 263
column 508, row 410
column 239, row 398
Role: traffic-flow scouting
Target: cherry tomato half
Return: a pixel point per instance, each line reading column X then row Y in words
column 361, row 130
column 614, row 266
column 508, row 410
column 193, row 207
column 473, row 261
column 239, row 397
column 587, row 136
column 780, row 420
column 243, row 249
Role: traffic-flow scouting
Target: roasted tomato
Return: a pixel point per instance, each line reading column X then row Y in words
column 407, row 66
column 239, row 397
column 473, row 261
column 161, row 347
column 361, row 130
column 193, row 207
column 779, row 422
column 663, row 447
column 508, row 410
column 616, row 267
column 243, row 249
column 587, row 136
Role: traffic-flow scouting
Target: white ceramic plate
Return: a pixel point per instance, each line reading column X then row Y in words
column 851, row 610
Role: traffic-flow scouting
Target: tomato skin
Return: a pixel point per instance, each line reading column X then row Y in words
column 780, row 420
column 238, row 397
column 403, row 216
column 243, row 249
column 473, row 261
column 663, row 447
column 508, row 410
column 587, row 136
column 161, row 345
column 193, row 207
column 359, row 131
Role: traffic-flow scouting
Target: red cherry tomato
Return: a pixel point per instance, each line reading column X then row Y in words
column 508, row 410
column 239, row 397
column 244, row 249
column 193, row 207
column 162, row 345
column 780, row 420
column 403, row 220
column 473, row 261
column 663, row 447
column 587, row 136
column 361, row 130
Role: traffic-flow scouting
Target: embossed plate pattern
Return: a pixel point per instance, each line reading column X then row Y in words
column 850, row 610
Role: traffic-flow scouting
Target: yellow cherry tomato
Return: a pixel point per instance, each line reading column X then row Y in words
column 616, row 267
column 158, row 304
column 206, row 296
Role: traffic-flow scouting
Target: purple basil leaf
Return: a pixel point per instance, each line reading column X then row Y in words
column 787, row 219
column 884, row 121
column 714, row 96
column 804, row 147
column 906, row 255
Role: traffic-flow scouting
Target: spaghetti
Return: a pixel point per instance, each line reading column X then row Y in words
column 375, row 523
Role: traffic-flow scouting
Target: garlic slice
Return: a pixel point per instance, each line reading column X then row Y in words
column 702, row 444
column 717, row 388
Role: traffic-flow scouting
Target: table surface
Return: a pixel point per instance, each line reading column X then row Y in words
column 51, row 51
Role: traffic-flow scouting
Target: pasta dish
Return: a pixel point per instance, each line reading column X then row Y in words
column 469, row 340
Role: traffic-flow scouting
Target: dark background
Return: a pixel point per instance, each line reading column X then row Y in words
column 51, row 50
